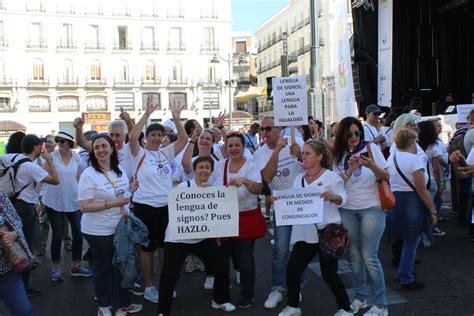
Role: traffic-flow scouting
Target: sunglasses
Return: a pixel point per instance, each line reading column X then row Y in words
column 266, row 129
column 60, row 140
column 352, row 134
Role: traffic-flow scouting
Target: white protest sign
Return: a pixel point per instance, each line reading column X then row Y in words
column 203, row 212
column 290, row 104
column 463, row 110
column 298, row 207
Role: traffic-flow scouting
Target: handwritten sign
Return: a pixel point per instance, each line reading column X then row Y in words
column 300, row 207
column 196, row 213
column 463, row 110
column 290, row 101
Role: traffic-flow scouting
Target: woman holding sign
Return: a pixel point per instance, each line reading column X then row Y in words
column 214, row 256
column 362, row 215
column 304, row 238
column 243, row 173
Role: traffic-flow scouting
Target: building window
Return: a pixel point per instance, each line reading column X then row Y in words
column 122, row 33
column 209, row 40
column 68, row 104
column 123, row 71
column 175, row 42
column 211, row 73
column 95, row 70
column 148, row 40
column 34, row 6
column 39, row 104
column 241, row 47
column 96, row 103
column 38, row 70
column 156, row 98
column 150, row 71
column 150, row 8
column 5, row 104
column 66, row 36
column 94, row 39
column 36, row 35
column 179, row 98
column 65, row 6
column 176, row 71
column 3, row 42
column 68, row 71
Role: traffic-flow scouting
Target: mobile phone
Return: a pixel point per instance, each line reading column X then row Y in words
column 366, row 154
column 462, row 161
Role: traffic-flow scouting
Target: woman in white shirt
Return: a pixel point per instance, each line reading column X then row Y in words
column 414, row 211
column 362, row 215
column 153, row 166
column 304, row 238
column 60, row 201
column 208, row 250
column 243, row 173
column 103, row 198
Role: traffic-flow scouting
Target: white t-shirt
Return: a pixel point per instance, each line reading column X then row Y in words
column 433, row 151
column 370, row 132
column 191, row 175
column 28, row 173
column 84, row 154
column 93, row 185
column 125, row 160
column 361, row 187
column 218, row 154
column 419, row 152
column 387, row 131
column 328, row 181
column 192, row 184
column 63, row 197
column 470, row 157
column 288, row 166
column 250, row 170
column 155, row 176
column 408, row 164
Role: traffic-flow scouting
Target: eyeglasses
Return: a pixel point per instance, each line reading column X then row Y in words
column 413, row 123
column 60, row 140
column 352, row 134
column 267, row 129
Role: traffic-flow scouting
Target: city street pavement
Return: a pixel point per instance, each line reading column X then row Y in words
column 446, row 269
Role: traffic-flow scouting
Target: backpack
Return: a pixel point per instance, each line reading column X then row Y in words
column 457, row 142
column 8, row 170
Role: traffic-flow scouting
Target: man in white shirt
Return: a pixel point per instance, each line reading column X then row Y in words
column 251, row 141
column 371, row 131
column 279, row 166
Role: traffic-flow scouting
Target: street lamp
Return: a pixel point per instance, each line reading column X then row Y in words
column 229, row 61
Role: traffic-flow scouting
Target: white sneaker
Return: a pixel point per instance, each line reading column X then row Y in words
column 237, row 277
column 273, row 299
column 104, row 311
column 226, row 307
column 376, row 311
column 290, row 311
column 342, row 312
column 131, row 309
column 358, row 304
column 151, row 294
column 209, row 284
column 174, row 294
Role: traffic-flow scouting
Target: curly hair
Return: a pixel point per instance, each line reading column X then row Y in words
column 427, row 135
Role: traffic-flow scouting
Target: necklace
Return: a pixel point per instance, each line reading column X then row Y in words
column 236, row 168
column 315, row 175
column 157, row 159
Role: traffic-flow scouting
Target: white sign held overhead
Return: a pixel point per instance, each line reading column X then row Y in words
column 196, row 213
column 463, row 110
column 290, row 101
column 300, row 207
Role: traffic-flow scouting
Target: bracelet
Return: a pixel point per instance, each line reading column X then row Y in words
column 333, row 198
column 105, row 204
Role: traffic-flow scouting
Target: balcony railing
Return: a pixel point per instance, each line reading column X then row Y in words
column 66, row 44
column 302, row 50
column 69, row 10
column 129, row 81
column 96, row 107
column 68, row 81
column 3, row 42
column 69, row 108
column 38, row 82
column 175, row 14
column 92, row 82
column 176, row 46
column 122, row 45
column 177, row 81
column 36, row 44
column 209, row 14
column 209, row 47
column 5, row 107
column 35, row 6
column 151, row 46
column 97, row 11
column 6, row 82
column 149, row 14
column 40, row 108
column 92, row 45
column 125, row 12
column 156, row 81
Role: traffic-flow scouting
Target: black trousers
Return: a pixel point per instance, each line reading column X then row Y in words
column 175, row 254
column 301, row 256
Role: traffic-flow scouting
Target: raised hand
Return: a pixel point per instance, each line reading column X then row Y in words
column 219, row 120
column 150, row 107
column 176, row 108
column 282, row 142
column 124, row 115
column 196, row 133
column 78, row 123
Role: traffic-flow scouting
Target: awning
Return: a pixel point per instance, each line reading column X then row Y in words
column 252, row 92
column 8, row 126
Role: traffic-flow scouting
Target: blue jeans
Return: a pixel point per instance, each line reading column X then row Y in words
column 280, row 256
column 56, row 220
column 246, row 261
column 407, row 261
column 365, row 228
column 107, row 277
column 13, row 293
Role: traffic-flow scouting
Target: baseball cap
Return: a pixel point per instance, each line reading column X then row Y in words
column 373, row 109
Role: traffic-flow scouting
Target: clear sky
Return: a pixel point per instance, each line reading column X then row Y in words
column 248, row 15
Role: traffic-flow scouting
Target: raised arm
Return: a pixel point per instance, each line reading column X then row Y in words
column 176, row 109
column 188, row 153
column 137, row 129
column 219, row 122
column 269, row 171
column 126, row 117
column 80, row 139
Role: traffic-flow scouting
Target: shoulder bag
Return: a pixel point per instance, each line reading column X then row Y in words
column 387, row 198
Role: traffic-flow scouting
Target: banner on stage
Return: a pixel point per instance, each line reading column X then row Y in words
column 298, row 207
column 384, row 66
column 463, row 110
column 196, row 213
column 290, row 101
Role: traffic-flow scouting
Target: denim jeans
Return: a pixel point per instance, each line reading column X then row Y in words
column 107, row 277
column 246, row 261
column 280, row 256
column 365, row 228
column 57, row 226
column 13, row 294
column 407, row 261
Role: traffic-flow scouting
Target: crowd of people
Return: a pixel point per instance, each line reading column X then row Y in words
column 84, row 184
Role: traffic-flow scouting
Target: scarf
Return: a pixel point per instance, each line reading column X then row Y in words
column 358, row 148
